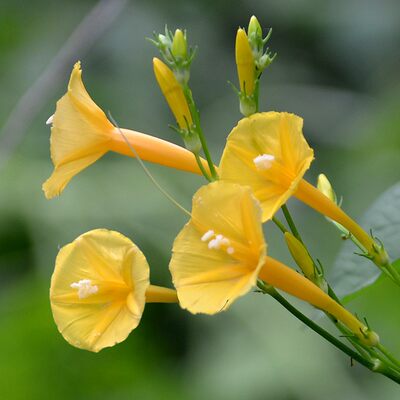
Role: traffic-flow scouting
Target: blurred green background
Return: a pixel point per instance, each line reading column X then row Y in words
column 338, row 66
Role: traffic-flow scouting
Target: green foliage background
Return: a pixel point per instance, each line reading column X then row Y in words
column 337, row 66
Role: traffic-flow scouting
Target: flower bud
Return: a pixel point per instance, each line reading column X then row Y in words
column 300, row 255
column 369, row 337
column 325, row 187
column 179, row 45
column 164, row 41
column 254, row 30
column 173, row 93
column 245, row 63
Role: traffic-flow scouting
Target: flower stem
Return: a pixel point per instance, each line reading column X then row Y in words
column 291, row 223
column 373, row 365
column 202, row 169
column 279, row 225
column 196, row 120
column 392, row 272
column 388, row 355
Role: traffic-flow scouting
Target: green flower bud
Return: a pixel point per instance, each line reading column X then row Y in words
column 247, row 105
column 325, row 187
column 179, row 45
column 254, row 31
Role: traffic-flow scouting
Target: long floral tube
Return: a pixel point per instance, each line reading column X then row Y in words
column 153, row 149
column 159, row 294
column 311, row 196
column 284, row 278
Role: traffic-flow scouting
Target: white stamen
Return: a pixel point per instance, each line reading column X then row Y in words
column 50, row 120
column 214, row 244
column 207, row 236
column 85, row 288
column 225, row 242
column 264, row 161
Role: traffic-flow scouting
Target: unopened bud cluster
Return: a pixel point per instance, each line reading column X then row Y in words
column 251, row 60
column 262, row 59
column 175, row 52
column 172, row 77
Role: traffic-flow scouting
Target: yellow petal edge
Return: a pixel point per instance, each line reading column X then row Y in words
column 209, row 276
column 98, row 289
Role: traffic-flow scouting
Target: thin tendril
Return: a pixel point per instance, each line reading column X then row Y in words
column 146, row 170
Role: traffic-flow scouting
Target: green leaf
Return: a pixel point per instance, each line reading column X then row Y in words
column 351, row 273
column 382, row 278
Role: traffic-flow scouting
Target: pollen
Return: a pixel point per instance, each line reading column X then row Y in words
column 264, row 161
column 85, row 288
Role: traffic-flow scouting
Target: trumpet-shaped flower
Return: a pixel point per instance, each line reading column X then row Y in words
column 81, row 134
column 99, row 289
column 268, row 152
column 220, row 253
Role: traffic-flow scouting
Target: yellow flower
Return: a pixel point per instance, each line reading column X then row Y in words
column 81, row 134
column 245, row 63
column 99, row 289
column 173, row 93
column 220, row 253
column 268, row 152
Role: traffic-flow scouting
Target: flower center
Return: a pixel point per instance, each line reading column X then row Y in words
column 217, row 242
column 263, row 161
column 85, row 288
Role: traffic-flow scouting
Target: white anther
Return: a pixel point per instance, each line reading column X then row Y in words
column 85, row 288
column 225, row 242
column 207, row 236
column 264, row 161
column 214, row 244
column 50, row 120
column 230, row 250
